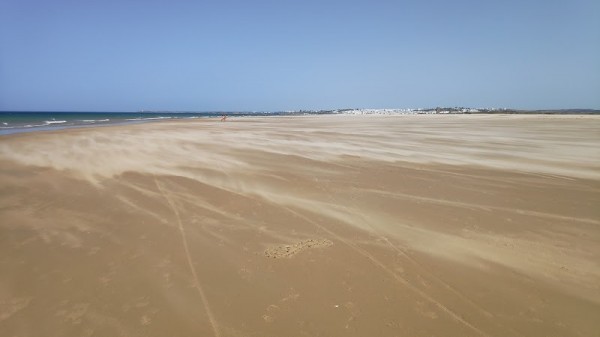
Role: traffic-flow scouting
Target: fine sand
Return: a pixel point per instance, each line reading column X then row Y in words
column 454, row 225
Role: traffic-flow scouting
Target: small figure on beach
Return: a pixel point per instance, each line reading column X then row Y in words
column 223, row 118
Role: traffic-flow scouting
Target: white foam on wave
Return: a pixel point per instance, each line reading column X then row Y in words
column 94, row 120
column 148, row 118
column 162, row 117
column 54, row 122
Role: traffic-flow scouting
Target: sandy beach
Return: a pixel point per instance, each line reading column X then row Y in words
column 430, row 225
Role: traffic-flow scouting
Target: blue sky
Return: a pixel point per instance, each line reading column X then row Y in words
column 86, row 55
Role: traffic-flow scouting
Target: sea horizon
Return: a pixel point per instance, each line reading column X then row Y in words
column 31, row 121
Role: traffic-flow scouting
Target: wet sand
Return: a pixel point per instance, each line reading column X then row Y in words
column 306, row 226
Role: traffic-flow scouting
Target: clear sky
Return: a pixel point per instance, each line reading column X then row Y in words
column 288, row 55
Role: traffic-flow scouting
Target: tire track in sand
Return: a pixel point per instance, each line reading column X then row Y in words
column 397, row 277
column 197, row 284
column 426, row 271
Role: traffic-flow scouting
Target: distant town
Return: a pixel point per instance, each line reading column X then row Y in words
column 451, row 110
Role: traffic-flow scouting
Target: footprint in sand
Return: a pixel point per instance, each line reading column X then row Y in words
column 271, row 311
column 75, row 314
column 145, row 320
column 268, row 319
column 291, row 250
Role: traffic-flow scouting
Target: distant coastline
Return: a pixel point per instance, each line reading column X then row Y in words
column 31, row 121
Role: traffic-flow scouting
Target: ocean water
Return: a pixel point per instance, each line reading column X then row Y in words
column 16, row 122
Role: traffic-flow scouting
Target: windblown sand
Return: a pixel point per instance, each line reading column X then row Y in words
column 305, row 226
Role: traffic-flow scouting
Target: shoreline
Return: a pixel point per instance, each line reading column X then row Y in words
column 52, row 126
